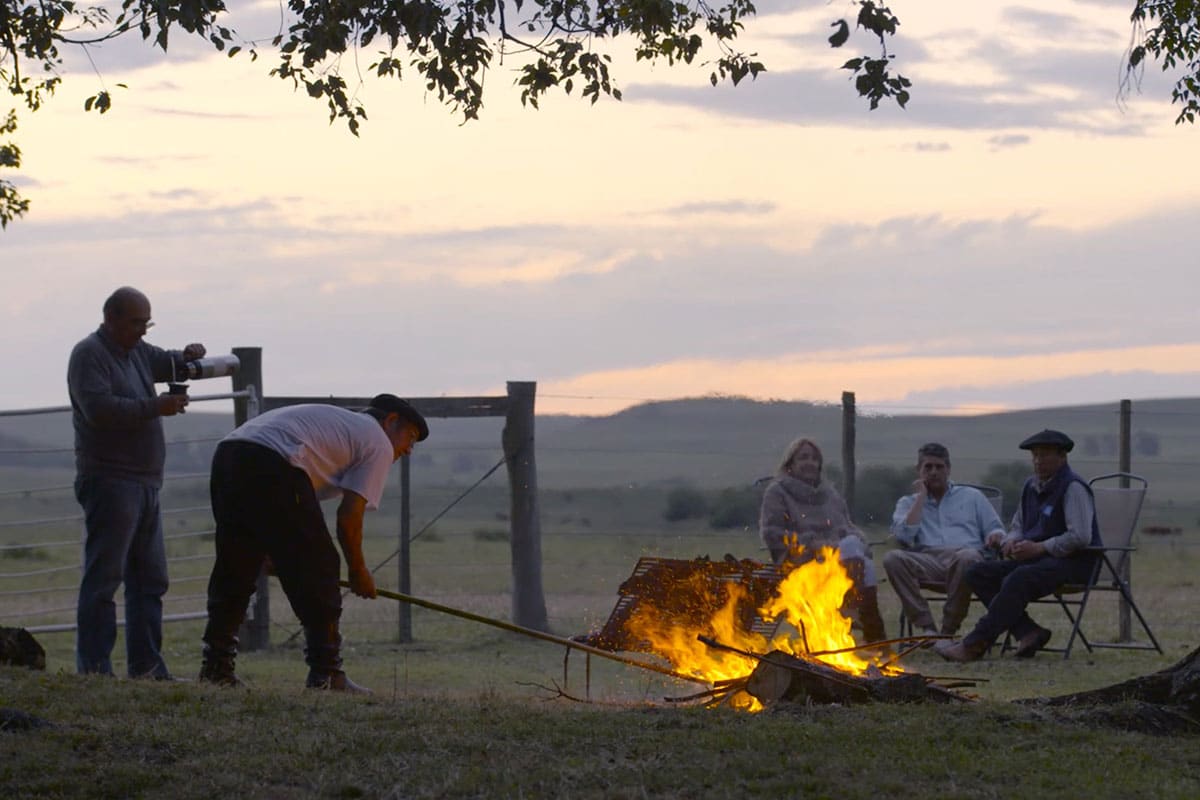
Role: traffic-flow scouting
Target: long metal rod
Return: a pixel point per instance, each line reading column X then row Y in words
column 546, row 637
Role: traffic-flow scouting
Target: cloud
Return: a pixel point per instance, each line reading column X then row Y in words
column 1033, row 70
column 142, row 161
column 1038, row 23
column 22, row 181
column 813, row 97
column 1075, row 389
column 930, row 147
column 722, row 207
column 253, row 23
column 1010, row 140
column 184, row 112
column 901, row 288
column 880, row 379
column 813, row 42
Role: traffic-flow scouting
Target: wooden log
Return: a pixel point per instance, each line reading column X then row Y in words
column 780, row 677
column 1177, row 686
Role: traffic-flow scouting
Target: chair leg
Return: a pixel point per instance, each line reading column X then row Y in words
column 1076, row 622
column 1123, row 587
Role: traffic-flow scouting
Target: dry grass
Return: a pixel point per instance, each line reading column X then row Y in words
column 135, row 739
column 470, row 711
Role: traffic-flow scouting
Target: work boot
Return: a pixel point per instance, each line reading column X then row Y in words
column 217, row 667
column 323, row 653
column 1030, row 643
column 865, row 600
column 220, row 651
column 336, row 681
column 869, row 616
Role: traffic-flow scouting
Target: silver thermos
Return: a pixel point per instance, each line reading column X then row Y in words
column 207, row 367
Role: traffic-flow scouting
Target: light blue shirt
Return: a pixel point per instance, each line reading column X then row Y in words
column 962, row 518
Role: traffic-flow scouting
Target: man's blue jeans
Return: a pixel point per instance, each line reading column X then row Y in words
column 124, row 544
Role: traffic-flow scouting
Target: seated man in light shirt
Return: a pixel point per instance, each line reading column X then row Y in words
column 942, row 529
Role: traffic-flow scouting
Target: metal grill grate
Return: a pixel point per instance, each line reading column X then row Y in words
column 686, row 593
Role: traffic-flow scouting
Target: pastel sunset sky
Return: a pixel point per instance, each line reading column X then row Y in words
column 1016, row 237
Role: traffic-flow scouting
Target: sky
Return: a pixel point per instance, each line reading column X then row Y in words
column 1017, row 237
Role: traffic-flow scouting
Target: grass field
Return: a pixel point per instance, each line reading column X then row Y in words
column 467, row 710
column 115, row 739
column 471, row 711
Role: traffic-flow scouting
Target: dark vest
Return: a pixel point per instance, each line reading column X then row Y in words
column 1042, row 514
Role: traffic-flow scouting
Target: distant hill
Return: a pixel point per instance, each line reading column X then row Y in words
column 718, row 442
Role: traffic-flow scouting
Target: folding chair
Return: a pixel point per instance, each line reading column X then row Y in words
column 1118, row 497
column 936, row 592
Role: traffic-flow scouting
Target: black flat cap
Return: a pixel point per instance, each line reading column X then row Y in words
column 1049, row 438
column 390, row 404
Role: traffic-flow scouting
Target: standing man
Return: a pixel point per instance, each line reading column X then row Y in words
column 119, row 456
column 1044, row 548
column 942, row 528
column 268, row 478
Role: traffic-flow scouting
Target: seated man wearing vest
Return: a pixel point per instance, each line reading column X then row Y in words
column 1043, row 549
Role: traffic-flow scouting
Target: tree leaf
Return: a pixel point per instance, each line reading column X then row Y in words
column 842, row 33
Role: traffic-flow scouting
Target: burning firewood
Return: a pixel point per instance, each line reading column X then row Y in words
column 782, row 677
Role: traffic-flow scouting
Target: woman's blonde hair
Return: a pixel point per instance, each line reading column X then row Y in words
column 790, row 454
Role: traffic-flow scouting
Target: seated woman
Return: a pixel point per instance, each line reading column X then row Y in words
column 801, row 513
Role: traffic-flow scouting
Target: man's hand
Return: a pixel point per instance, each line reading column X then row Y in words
column 994, row 539
column 193, row 351
column 171, row 404
column 918, row 507
column 349, row 534
column 1024, row 550
column 362, row 583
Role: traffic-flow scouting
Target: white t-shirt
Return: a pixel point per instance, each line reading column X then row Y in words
column 339, row 449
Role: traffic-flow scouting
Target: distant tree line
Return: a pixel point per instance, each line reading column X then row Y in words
column 1144, row 443
column 876, row 491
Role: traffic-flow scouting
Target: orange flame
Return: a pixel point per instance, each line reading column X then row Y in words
column 807, row 602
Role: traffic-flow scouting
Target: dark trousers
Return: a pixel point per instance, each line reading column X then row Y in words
column 1006, row 587
column 124, row 545
column 264, row 506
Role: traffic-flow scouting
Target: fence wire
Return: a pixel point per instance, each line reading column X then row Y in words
column 29, row 584
column 561, row 569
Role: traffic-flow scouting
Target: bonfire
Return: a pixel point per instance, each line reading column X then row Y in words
column 755, row 633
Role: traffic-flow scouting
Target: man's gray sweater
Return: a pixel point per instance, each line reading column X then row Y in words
column 114, row 408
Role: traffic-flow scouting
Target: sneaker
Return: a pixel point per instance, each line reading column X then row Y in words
column 960, row 651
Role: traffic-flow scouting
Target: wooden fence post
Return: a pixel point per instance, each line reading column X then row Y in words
column 524, row 496
column 1125, row 464
column 256, row 629
column 848, row 466
column 404, row 565
column 528, row 601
